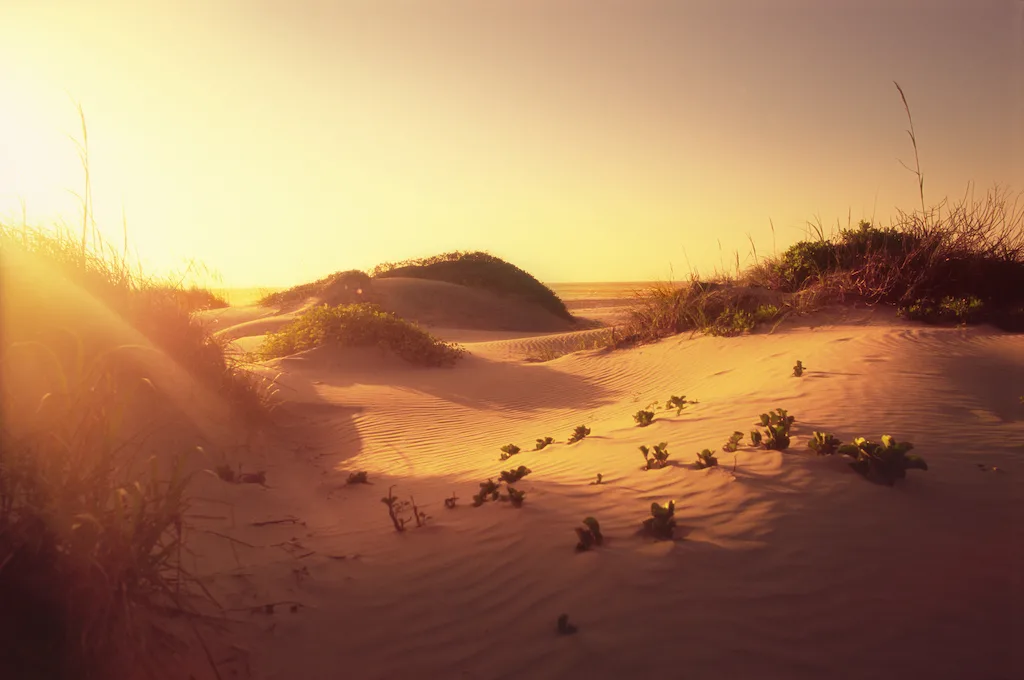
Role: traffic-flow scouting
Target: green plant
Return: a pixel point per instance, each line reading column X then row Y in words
column 883, row 462
column 755, row 438
column 798, row 370
column 542, row 443
column 450, row 502
column 658, row 458
column 579, row 433
column 508, row 451
column 488, row 491
column 358, row 478
column 598, row 480
column 661, row 524
column 360, row 325
column 823, row 444
column 516, row 497
column 706, row 459
column 395, row 509
column 734, row 442
column 776, row 433
column 589, row 535
column 643, row 418
column 677, row 403
column 511, row 476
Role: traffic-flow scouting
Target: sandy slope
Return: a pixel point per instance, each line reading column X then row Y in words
column 787, row 566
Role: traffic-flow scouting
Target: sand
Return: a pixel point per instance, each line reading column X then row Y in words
column 785, row 565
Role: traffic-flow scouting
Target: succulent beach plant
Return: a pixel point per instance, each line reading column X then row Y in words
column 661, row 524
column 579, row 433
column 542, row 442
column 883, row 462
column 776, row 429
column 658, row 458
column 589, row 535
column 643, row 418
column 734, row 442
column 706, row 459
column 823, row 443
column 677, row 403
column 798, row 370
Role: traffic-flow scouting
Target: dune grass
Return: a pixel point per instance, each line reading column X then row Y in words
column 353, row 280
column 91, row 513
column 360, row 325
column 478, row 270
column 959, row 262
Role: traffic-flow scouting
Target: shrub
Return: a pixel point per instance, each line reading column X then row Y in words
column 514, row 475
column 733, row 443
column 661, row 524
column 706, row 459
column 508, row 451
column 643, row 418
column 395, row 509
column 755, row 438
column 488, row 491
column 478, row 270
column 776, row 432
column 360, row 325
column 677, row 403
column 516, row 497
column 355, row 281
column 542, row 443
column 798, row 370
column 823, row 444
column 450, row 502
column 579, row 433
column 589, row 535
column 657, row 458
column 883, row 463
column 357, row 478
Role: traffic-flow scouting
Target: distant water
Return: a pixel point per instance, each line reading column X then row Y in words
column 616, row 290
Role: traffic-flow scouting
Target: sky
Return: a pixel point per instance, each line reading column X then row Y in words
column 275, row 142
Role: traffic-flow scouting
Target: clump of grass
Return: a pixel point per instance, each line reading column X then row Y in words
column 478, row 270
column 579, row 434
column 360, row 325
column 353, row 282
column 643, row 418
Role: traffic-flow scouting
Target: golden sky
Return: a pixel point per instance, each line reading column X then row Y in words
column 584, row 140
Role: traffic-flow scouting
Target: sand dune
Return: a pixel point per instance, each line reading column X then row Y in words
column 786, row 565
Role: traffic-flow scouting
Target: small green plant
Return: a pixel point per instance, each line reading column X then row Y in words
column 661, row 524
column 357, row 478
column 823, row 444
column 589, row 535
column 677, row 403
column 798, row 370
column 755, row 438
column 512, row 476
column 885, row 462
column 541, row 443
column 516, row 497
column 564, row 627
column 579, row 433
column 776, row 432
column 488, row 491
column 734, row 442
column 395, row 509
column 658, row 458
column 451, row 501
column 643, row 418
column 598, row 480
column 706, row 459
column 508, row 451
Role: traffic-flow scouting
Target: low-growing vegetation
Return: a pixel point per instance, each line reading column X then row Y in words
column 478, row 270
column 883, row 462
column 776, row 429
column 677, row 403
column 798, row 369
column 823, row 443
column 706, row 459
column 543, row 442
column 733, row 442
column 589, row 534
column 579, row 434
column 515, row 497
column 358, row 478
column 353, row 282
column 488, row 491
column 662, row 523
column 397, row 510
column 514, row 475
column 655, row 458
column 643, row 418
column 360, row 325
column 508, row 451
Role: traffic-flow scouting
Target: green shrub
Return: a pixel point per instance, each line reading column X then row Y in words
column 658, row 458
column 514, row 475
column 357, row 478
column 478, row 270
column 661, row 524
column 706, row 459
column 579, row 433
column 589, row 535
column 643, row 418
column 798, row 369
column 360, row 325
column 516, row 497
column 823, row 444
column 488, row 491
column 755, row 438
column 508, row 451
column 776, row 429
column 734, row 442
column 677, row 403
column 542, row 443
column 355, row 281
column 883, row 463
